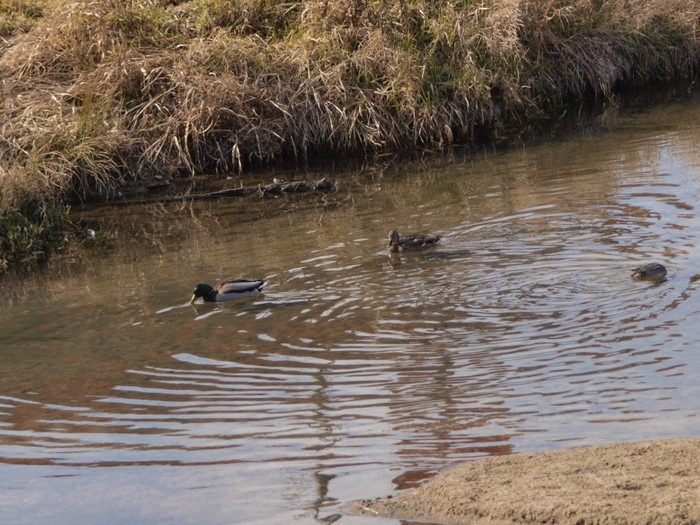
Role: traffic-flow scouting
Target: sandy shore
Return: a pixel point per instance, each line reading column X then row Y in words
column 655, row 482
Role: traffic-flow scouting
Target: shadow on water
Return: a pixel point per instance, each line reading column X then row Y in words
column 356, row 374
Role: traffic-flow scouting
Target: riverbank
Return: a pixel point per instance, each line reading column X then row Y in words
column 98, row 95
column 655, row 482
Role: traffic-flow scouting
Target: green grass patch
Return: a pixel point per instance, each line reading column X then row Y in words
column 28, row 236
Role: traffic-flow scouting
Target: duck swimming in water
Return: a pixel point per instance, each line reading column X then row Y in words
column 227, row 290
column 651, row 272
column 410, row 242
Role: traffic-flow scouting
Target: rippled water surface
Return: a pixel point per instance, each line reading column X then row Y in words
column 357, row 375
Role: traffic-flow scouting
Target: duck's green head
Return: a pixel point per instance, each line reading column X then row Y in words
column 201, row 290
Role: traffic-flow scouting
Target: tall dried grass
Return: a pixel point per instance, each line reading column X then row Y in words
column 98, row 92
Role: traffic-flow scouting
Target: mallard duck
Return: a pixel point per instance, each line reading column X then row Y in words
column 227, row 290
column 410, row 242
column 651, row 271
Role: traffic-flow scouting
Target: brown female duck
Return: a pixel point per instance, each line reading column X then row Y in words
column 650, row 272
column 413, row 242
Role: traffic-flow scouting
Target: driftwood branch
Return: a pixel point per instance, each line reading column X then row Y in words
column 276, row 188
column 263, row 190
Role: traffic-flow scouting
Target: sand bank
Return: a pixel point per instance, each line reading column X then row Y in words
column 656, row 482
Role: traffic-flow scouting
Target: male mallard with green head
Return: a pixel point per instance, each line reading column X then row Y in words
column 227, row 290
column 410, row 242
column 650, row 272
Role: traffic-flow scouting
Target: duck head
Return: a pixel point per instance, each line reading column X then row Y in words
column 201, row 290
column 394, row 241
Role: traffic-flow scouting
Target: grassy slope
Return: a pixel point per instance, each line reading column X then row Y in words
column 99, row 93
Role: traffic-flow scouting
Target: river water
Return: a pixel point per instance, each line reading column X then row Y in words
column 357, row 375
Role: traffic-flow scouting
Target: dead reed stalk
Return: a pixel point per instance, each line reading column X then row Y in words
column 99, row 92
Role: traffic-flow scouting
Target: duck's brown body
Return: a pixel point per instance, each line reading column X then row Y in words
column 412, row 242
column 651, row 271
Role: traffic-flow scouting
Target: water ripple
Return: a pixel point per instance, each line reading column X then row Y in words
column 522, row 329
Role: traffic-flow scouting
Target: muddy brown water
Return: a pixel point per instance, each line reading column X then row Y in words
column 356, row 375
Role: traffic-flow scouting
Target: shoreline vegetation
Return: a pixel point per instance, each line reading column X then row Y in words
column 98, row 95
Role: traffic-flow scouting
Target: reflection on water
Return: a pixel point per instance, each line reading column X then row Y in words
column 357, row 374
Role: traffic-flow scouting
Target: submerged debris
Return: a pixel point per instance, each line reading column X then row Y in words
column 275, row 188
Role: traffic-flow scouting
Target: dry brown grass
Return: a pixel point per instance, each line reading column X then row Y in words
column 99, row 92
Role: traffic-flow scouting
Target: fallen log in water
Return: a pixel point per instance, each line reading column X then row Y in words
column 263, row 190
column 276, row 188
